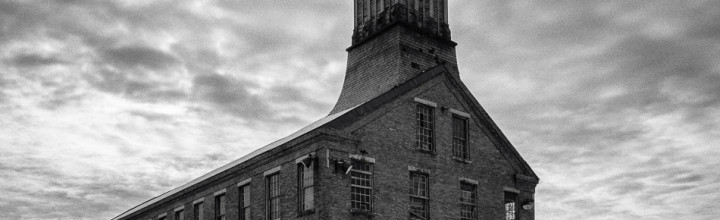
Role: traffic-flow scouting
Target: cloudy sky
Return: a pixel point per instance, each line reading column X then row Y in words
column 105, row 104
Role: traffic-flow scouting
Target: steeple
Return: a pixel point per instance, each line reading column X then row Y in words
column 371, row 16
column 393, row 41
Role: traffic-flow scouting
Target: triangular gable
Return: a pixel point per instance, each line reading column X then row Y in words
column 485, row 122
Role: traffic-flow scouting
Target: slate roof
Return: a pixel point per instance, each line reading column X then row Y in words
column 266, row 148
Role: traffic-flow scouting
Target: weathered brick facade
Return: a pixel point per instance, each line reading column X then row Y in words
column 375, row 121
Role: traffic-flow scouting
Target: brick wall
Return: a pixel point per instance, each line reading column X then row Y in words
column 388, row 135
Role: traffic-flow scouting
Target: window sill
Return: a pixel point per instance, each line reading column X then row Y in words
column 461, row 160
column 306, row 212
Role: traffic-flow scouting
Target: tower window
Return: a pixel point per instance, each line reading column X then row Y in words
column 467, row 201
column 361, row 186
column 460, row 137
column 424, row 128
column 419, row 196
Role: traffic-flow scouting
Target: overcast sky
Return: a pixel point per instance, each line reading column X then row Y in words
column 105, row 104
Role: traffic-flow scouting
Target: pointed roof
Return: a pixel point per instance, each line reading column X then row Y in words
column 491, row 129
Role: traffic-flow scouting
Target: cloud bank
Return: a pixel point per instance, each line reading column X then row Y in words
column 105, row 104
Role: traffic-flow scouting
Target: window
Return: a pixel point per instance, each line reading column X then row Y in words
column 198, row 211
column 180, row 215
column 162, row 218
column 306, row 186
column 220, row 204
column 244, row 202
column 273, row 197
column 460, row 137
column 510, row 206
column 361, row 186
column 424, row 128
column 419, row 196
column 467, row 201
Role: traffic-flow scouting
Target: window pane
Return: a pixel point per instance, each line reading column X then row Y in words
column 419, row 193
column 459, row 126
column 244, row 202
column 180, row 215
column 198, row 211
column 510, row 206
column 424, row 127
column 467, row 201
column 361, row 186
column 273, row 187
column 220, row 207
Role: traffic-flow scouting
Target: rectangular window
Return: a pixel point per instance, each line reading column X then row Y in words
column 419, row 196
column 220, row 205
column 361, row 186
column 198, row 212
column 306, row 186
column 460, row 137
column 424, row 128
column 244, row 202
column 467, row 201
column 273, row 196
column 510, row 206
column 180, row 215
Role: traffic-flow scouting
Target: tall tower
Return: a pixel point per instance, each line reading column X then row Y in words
column 393, row 41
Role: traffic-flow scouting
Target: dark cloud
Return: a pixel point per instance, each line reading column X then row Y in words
column 231, row 96
column 32, row 60
column 136, row 87
column 139, row 56
column 289, row 94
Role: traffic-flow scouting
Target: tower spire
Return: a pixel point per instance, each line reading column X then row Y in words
column 393, row 41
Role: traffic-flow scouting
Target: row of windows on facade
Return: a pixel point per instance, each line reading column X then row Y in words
column 272, row 184
column 361, row 191
column 425, row 132
column 419, row 193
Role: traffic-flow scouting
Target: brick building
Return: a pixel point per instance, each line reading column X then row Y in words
column 405, row 140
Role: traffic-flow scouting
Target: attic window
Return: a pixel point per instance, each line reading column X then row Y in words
column 424, row 128
column 460, row 137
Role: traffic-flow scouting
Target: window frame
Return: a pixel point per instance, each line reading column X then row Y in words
column 302, row 171
column 244, row 208
column 422, row 126
column 414, row 194
column 272, row 196
column 370, row 179
column 199, row 210
column 473, row 203
column 464, row 150
column 515, row 205
column 220, row 206
column 179, row 214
